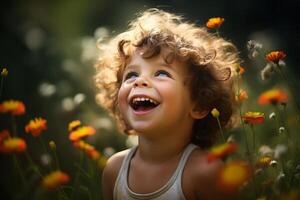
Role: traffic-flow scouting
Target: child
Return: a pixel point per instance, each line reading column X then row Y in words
column 160, row 80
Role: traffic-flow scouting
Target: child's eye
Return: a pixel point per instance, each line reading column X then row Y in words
column 163, row 73
column 130, row 75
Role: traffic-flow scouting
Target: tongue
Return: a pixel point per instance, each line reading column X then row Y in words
column 144, row 108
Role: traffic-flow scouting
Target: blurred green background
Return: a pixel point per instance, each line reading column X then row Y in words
column 49, row 50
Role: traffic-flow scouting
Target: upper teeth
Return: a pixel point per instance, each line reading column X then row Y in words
column 144, row 99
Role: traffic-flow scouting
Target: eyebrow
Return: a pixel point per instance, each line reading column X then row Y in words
column 158, row 64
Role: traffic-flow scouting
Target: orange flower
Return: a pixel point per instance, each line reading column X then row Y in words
column 81, row 132
column 221, row 151
column 13, row 145
column 275, row 56
column 241, row 70
column 12, row 106
column 254, row 118
column 55, row 179
column 263, row 161
column 88, row 149
column 36, row 126
column 273, row 96
column 233, row 175
column 243, row 95
column 215, row 22
column 73, row 125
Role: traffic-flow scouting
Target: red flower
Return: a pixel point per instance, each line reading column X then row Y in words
column 221, row 151
column 215, row 22
column 36, row 126
column 273, row 96
column 253, row 118
column 13, row 145
column 13, row 107
column 275, row 56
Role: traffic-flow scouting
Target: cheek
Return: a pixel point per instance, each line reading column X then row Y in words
column 122, row 98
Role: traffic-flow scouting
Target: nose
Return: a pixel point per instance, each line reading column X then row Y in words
column 141, row 82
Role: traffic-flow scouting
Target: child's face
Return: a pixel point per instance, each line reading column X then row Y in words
column 153, row 96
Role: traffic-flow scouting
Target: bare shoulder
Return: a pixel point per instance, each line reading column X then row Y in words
column 110, row 173
column 200, row 177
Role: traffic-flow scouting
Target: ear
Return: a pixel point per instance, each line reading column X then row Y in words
column 198, row 114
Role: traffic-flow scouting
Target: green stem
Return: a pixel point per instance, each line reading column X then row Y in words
column 254, row 145
column 1, row 86
column 42, row 143
column 291, row 88
column 221, row 130
column 56, row 159
column 73, row 196
column 34, row 166
column 17, row 165
column 14, row 126
column 242, row 121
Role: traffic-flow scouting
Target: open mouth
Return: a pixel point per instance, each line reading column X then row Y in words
column 143, row 103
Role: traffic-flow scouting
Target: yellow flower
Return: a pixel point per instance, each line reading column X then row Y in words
column 36, row 126
column 275, row 56
column 215, row 22
column 81, row 132
column 13, row 107
column 13, row 145
column 221, row 151
column 215, row 113
column 254, row 118
column 264, row 161
column 233, row 175
column 73, row 125
column 55, row 179
column 4, row 72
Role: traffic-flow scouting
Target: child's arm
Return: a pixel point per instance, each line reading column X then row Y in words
column 204, row 177
column 110, row 174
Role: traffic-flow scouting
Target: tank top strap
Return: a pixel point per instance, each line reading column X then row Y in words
column 188, row 150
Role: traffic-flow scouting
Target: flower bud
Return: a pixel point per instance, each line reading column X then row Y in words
column 215, row 113
column 4, row 72
column 52, row 145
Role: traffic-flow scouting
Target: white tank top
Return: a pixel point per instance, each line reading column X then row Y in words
column 172, row 190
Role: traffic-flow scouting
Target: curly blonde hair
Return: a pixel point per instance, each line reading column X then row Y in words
column 211, row 63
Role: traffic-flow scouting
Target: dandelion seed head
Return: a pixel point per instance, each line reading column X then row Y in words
column 46, row 159
column 279, row 151
column 272, row 115
column 281, row 129
column 280, row 177
column 273, row 163
column 253, row 48
column 267, row 71
column 265, row 150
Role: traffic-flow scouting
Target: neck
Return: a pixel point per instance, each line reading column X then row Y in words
column 162, row 149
